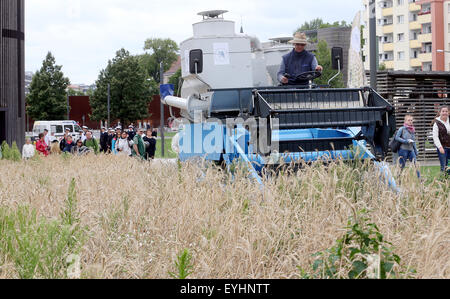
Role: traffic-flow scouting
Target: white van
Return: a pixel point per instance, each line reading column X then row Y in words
column 56, row 129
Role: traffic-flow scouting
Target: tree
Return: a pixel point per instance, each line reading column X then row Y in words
column 323, row 55
column 47, row 99
column 316, row 24
column 73, row 92
column 160, row 50
column 129, row 89
column 175, row 80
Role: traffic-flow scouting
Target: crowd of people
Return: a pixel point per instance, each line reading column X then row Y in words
column 139, row 143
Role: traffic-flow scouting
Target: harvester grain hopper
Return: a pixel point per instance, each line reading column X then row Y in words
column 233, row 111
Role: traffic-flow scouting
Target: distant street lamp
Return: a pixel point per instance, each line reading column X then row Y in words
column 109, row 105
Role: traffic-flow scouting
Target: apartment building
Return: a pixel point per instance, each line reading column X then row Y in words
column 412, row 34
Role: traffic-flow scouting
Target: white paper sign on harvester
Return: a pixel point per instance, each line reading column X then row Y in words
column 356, row 72
column 221, row 54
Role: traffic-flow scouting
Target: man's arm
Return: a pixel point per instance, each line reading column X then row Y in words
column 315, row 65
column 281, row 72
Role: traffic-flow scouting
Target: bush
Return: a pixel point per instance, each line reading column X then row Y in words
column 361, row 253
column 15, row 153
column 6, row 151
column 10, row 153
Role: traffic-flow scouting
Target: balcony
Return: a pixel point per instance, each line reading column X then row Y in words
column 414, row 44
column 388, row 11
column 388, row 47
column 424, row 18
column 415, row 25
column 426, row 57
column 388, row 29
column 414, row 7
column 425, row 38
column 388, row 63
column 415, row 62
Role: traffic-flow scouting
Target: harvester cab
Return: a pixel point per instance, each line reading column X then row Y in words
column 233, row 110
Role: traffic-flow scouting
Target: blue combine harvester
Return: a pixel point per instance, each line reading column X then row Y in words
column 225, row 121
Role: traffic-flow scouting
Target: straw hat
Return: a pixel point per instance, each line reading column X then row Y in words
column 299, row 38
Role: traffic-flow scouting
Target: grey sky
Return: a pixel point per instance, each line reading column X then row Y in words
column 84, row 34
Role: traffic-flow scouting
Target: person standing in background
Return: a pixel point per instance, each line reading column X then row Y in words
column 47, row 138
column 28, row 150
column 123, row 145
column 441, row 138
column 62, row 143
column 138, row 145
column 103, row 140
column 406, row 135
column 91, row 142
column 151, row 149
column 68, row 145
column 41, row 146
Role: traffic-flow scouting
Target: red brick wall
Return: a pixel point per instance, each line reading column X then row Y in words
column 80, row 105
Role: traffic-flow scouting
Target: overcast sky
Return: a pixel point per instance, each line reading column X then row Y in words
column 84, row 34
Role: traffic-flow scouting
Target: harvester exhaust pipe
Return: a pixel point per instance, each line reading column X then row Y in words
column 337, row 55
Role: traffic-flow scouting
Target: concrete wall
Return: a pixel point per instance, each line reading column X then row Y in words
column 12, row 72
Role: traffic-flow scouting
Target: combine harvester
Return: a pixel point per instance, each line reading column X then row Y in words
column 234, row 111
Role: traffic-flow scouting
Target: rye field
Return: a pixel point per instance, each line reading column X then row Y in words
column 116, row 217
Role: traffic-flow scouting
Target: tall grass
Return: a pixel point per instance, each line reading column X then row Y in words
column 139, row 216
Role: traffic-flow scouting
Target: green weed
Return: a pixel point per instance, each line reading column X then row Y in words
column 361, row 253
column 183, row 265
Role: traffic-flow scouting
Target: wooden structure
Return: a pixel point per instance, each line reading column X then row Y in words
column 12, row 72
column 419, row 94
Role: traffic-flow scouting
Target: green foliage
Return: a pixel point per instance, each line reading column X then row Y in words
column 318, row 23
column 323, row 55
column 361, row 253
column 183, row 265
column 363, row 41
column 6, row 151
column 159, row 50
column 10, row 153
column 175, row 80
column 130, row 90
column 382, row 67
column 47, row 99
column 15, row 153
column 39, row 247
column 73, row 92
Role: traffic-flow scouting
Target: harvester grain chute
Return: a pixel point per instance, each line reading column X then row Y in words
column 233, row 111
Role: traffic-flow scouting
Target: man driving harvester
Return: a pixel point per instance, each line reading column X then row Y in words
column 299, row 66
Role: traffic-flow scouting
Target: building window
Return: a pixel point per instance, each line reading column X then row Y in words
column 400, row 37
column 426, row 28
column 400, row 2
column 400, row 19
column 401, row 55
column 428, row 47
